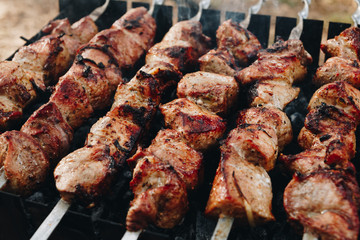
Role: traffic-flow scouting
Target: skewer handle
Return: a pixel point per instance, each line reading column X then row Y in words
column 356, row 16
column 94, row 15
column 51, row 221
column 131, row 235
column 252, row 10
column 153, row 3
column 222, row 228
column 203, row 4
column 303, row 14
column 309, row 236
column 3, row 179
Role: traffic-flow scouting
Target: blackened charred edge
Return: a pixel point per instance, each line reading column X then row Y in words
column 104, row 49
column 54, row 52
column 120, row 148
column 141, row 116
column 132, row 23
column 325, row 137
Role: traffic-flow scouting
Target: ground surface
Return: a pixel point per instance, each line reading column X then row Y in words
column 26, row 17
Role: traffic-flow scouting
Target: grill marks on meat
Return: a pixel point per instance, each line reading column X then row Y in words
column 88, row 85
column 325, row 203
column 39, row 64
column 213, row 92
column 237, row 47
column 242, row 187
column 343, row 64
column 323, row 197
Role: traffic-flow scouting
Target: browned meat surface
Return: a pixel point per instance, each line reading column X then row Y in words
column 160, row 196
column 219, row 61
column 325, row 204
column 345, row 45
column 170, row 148
column 239, row 41
column 338, row 69
column 213, row 92
column 271, row 93
column 283, row 61
column 271, row 117
column 85, row 173
column 39, row 64
column 53, row 133
column 240, row 190
column 200, row 128
column 24, row 163
column 191, row 32
column 340, row 95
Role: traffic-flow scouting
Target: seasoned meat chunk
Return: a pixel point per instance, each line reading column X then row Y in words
column 219, row 61
column 214, row 92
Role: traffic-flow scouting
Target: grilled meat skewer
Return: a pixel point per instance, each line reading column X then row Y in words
column 242, row 188
column 40, row 64
column 87, row 85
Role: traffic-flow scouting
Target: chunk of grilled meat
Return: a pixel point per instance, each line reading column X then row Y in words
column 23, row 161
column 219, row 61
column 213, row 92
column 270, row 93
column 39, row 65
column 346, row 45
column 340, row 95
column 170, row 148
column 273, row 117
column 200, row 128
column 338, row 69
column 181, row 46
column 283, row 61
column 240, row 189
column 239, row 41
column 85, row 88
column 160, row 196
column 324, row 203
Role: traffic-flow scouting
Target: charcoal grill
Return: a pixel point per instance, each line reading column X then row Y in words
column 20, row 216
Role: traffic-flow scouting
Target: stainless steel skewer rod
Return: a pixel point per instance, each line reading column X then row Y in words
column 203, row 4
column 356, row 16
column 252, row 10
column 51, row 221
column 153, row 3
column 224, row 223
column 94, row 15
column 2, row 177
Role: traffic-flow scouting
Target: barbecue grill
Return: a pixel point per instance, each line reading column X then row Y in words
column 20, row 216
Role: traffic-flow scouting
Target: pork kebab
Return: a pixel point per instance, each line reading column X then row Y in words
column 28, row 155
column 172, row 166
column 86, row 174
column 323, row 196
column 38, row 65
column 242, row 187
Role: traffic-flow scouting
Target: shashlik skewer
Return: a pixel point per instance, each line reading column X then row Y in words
column 133, row 107
column 191, row 127
column 323, row 197
column 254, row 140
column 38, row 65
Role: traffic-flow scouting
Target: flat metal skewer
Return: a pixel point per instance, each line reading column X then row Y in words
column 224, row 223
column 153, row 3
column 356, row 16
column 3, row 179
column 94, row 15
column 203, row 4
column 51, row 221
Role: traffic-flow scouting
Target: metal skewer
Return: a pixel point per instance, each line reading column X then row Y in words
column 153, row 3
column 224, row 224
column 94, row 15
column 356, row 16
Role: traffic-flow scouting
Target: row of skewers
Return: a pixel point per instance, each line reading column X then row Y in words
column 171, row 167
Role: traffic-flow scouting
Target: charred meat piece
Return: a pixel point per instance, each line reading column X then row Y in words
column 50, row 129
column 213, row 92
column 239, row 41
column 345, row 45
column 23, row 161
column 325, row 203
column 170, row 148
column 219, row 61
column 271, row 117
column 338, row 69
column 191, row 32
column 241, row 190
column 340, row 95
column 199, row 127
column 160, row 196
column 283, row 61
column 270, row 93
column 85, row 174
